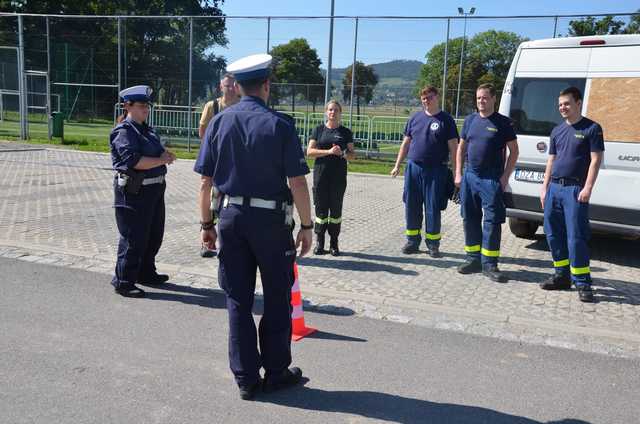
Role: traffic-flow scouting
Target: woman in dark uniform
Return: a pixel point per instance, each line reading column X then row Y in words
column 331, row 144
column 139, row 160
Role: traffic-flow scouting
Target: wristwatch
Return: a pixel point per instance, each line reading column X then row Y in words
column 306, row 227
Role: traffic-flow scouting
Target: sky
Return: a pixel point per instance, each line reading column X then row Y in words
column 385, row 40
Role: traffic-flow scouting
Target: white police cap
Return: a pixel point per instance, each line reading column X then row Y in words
column 137, row 93
column 251, row 67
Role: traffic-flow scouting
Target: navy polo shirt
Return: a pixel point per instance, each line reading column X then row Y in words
column 250, row 150
column 129, row 141
column 486, row 140
column 429, row 137
column 572, row 145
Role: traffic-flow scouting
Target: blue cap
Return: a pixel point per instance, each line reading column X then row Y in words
column 137, row 93
column 251, row 67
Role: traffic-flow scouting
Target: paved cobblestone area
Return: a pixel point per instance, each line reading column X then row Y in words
column 55, row 207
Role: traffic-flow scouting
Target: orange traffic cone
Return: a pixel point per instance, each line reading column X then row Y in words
column 298, row 329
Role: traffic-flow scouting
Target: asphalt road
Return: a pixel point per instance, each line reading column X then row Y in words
column 73, row 352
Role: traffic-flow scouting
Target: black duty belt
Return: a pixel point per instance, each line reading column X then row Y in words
column 567, row 181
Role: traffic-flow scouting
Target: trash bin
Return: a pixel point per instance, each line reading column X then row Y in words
column 57, row 124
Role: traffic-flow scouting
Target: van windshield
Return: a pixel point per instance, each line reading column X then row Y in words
column 534, row 103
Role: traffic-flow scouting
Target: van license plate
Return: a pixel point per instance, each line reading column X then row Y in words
column 529, row 176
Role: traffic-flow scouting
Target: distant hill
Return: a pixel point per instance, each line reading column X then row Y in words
column 405, row 71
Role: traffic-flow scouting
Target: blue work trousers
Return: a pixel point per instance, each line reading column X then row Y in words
column 481, row 196
column 424, row 189
column 566, row 225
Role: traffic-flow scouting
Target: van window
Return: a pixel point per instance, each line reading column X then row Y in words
column 534, row 103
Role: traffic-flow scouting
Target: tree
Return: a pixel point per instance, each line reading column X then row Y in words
column 296, row 63
column 365, row 83
column 157, row 49
column 593, row 26
column 633, row 27
column 487, row 59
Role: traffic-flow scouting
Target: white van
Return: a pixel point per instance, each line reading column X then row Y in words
column 607, row 71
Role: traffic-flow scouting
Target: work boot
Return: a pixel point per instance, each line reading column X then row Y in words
column 319, row 249
column 471, row 266
column 249, row 392
column 129, row 290
column 585, row 293
column 434, row 252
column 494, row 274
column 556, row 282
column 410, row 248
column 156, row 279
column 287, row 378
column 333, row 248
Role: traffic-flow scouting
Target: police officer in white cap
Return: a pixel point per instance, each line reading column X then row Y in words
column 254, row 157
column 140, row 160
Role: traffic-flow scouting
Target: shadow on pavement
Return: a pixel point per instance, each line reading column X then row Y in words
column 353, row 265
column 323, row 335
column 394, row 408
column 415, row 259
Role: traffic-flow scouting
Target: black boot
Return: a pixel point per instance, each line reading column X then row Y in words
column 585, row 294
column 319, row 249
column 494, row 274
column 556, row 282
column 470, row 266
column 287, row 378
column 333, row 247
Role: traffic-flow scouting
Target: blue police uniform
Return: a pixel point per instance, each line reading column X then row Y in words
column 480, row 190
column 425, row 178
column 140, row 216
column 566, row 220
column 249, row 151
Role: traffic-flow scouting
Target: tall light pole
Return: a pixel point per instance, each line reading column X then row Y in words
column 327, row 83
column 464, row 37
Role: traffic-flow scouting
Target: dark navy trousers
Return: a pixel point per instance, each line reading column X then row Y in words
column 250, row 239
column 424, row 189
column 140, row 220
column 481, row 196
column 329, row 186
column 566, row 225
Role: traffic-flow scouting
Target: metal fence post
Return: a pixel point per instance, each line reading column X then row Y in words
column 555, row 26
column 327, row 83
column 268, row 33
column 119, row 56
column 48, row 80
column 24, row 110
column 353, row 74
column 444, row 72
column 190, row 79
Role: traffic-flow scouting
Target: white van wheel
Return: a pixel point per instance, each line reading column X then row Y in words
column 523, row 229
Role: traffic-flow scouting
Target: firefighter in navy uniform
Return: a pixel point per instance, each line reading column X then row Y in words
column 484, row 139
column 139, row 160
column 331, row 144
column 250, row 153
column 430, row 137
column 575, row 154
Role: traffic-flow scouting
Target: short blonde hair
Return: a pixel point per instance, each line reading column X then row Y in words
column 333, row 102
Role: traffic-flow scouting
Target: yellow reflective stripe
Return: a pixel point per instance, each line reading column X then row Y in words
column 432, row 236
column 580, row 271
column 321, row 221
column 334, row 220
column 492, row 253
column 564, row 262
column 475, row 248
column 412, row 232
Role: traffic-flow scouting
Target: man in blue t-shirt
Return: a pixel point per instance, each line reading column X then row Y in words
column 430, row 136
column 575, row 154
column 485, row 137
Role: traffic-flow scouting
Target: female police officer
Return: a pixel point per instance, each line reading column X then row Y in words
column 139, row 160
column 330, row 144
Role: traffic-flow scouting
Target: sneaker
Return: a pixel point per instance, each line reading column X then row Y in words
column 585, row 293
column 494, row 274
column 470, row 267
column 434, row 252
column 410, row 248
column 556, row 282
column 287, row 378
column 249, row 392
column 129, row 290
